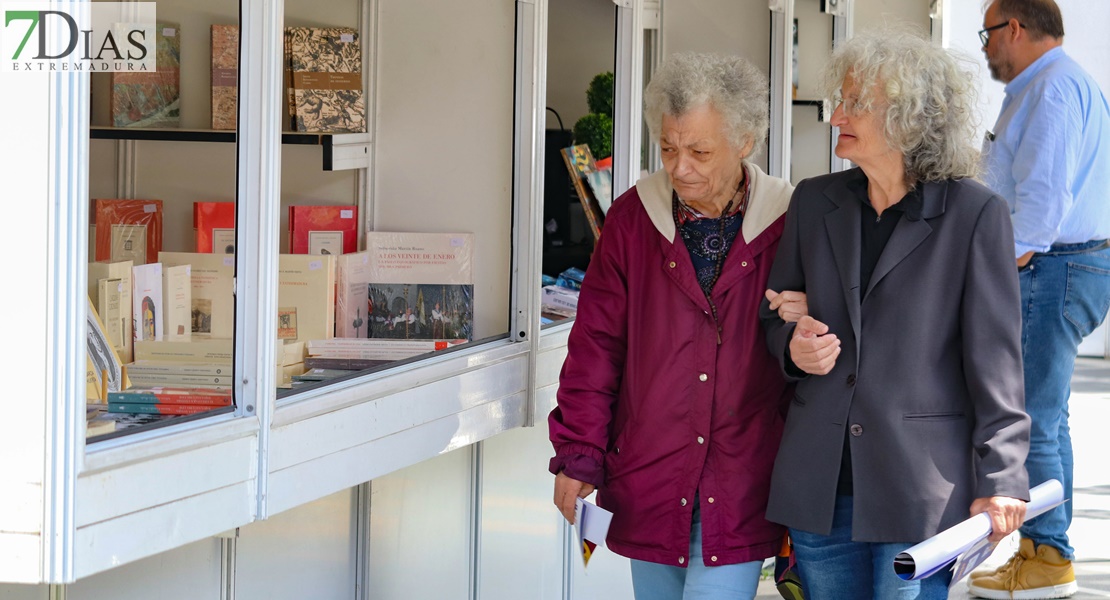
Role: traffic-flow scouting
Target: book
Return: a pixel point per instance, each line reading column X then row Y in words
column 326, row 65
column 214, row 227
column 213, row 291
column 374, row 349
column 306, row 297
column 161, row 367
column 580, row 161
column 99, row 271
column 109, row 306
column 195, row 350
column 601, row 186
column 225, row 77
column 145, row 379
column 93, row 393
column 320, row 375
column 421, row 285
column 96, row 423
column 160, row 409
column 352, row 275
column 151, row 99
column 106, row 363
column 128, row 230
column 560, row 298
column 177, row 300
column 172, row 395
column 323, row 229
column 146, row 301
column 349, row 364
column 290, row 96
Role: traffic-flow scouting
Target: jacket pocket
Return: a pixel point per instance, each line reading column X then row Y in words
column 951, row 415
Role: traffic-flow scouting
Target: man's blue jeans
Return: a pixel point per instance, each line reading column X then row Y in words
column 833, row 567
column 1064, row 296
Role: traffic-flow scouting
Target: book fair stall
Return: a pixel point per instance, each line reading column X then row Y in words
column 306, row 294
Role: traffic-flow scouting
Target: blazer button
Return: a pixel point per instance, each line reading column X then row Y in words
column 851, row 380
column 856, row 429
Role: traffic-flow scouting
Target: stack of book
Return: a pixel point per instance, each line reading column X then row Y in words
column 354, row 354
column 168, row 400
column 152, row 373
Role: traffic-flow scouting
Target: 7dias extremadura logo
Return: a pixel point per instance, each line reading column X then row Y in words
column 78, row 36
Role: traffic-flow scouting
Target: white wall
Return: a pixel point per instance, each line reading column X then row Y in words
column 581, row 40
column 870, row 14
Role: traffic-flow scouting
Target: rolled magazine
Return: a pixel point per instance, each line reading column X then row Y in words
column 967, row 540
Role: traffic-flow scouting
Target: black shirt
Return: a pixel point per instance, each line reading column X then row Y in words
column 875, row 232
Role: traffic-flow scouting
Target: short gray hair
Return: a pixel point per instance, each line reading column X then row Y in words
column 928, row 95
column 729, row 84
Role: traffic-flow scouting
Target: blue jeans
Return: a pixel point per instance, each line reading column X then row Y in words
column 652, row 581
column 833, row 567
column 1064, row 296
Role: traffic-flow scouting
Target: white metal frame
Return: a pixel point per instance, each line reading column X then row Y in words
column 842, row 32
column 628, row 101
column 782, row 48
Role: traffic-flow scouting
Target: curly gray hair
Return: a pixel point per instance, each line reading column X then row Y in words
column 729, row 84
column 928, row 96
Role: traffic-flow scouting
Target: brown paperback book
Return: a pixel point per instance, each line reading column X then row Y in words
column 225, row 75
column 327, row 79
column 145, row 99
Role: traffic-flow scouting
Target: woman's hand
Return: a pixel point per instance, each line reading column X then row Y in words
column 790, row 305
column 567, row 490
column 1007, row 514
column 813, row 349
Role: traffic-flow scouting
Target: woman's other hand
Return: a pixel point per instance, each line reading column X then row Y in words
column 790, row 305
column 1007, row 514
column 568, row 490
column 813, row 349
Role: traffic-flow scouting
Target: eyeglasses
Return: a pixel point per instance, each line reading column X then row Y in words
column 985, row 34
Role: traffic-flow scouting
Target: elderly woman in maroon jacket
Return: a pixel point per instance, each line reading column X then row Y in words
column 669, row 402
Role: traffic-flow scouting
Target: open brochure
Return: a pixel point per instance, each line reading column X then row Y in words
column 591, row 525
column 967, row 541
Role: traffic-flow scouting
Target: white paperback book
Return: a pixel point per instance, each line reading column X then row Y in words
column 177, row 297
column 146, row 302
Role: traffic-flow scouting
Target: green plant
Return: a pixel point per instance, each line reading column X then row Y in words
column 596, row 128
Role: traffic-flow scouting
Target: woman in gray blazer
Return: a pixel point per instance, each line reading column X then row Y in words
column 908, row 409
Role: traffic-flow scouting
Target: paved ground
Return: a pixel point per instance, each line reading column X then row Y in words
column 1090, row 529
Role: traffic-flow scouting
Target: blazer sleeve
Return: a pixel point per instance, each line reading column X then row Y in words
column 990, row 319
column 786, row 274
column 590, row 380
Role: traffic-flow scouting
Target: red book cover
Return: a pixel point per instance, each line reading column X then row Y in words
column 128, row 230
column 168, row 395
column 323, row 229
column 214, row 224
column 159, row 409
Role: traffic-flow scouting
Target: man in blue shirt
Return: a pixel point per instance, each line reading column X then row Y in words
column 1049, row 157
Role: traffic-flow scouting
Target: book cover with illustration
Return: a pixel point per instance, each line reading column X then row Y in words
column 225, row 76
column 177, row 300
column 306, row 297
column 213, row 291
column 323, row 229
column 326, row 65
column 128, row 230
column 146, row 302
column 352, row 290
column 151, row 99
column 580, row 162
column 214, row 227
column 421, row 285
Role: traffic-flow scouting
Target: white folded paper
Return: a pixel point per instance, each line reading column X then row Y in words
column 591, row 523
column 968, row 538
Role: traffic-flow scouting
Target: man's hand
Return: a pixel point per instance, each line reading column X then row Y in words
column 813, row 349
column 1007, row 514
column 790, row 305
column 567, row 490
column 1024, row 259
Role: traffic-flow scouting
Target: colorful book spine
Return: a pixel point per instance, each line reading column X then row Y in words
column 225, row 77
column 159, row 409
column 171, row 396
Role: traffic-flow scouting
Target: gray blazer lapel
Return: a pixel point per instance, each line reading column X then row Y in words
column 843, row 226
column 908, row 235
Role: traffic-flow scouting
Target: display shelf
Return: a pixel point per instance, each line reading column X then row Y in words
column 341, row 150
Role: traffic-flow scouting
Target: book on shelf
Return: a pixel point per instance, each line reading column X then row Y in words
column 213, row 291
column 225, row 77
column 146, row 301
column 306, row 297
column 162, row 367
column 314, row 375
column 194, row 350
column 326, row 66
column 93, row 393
column 106, row 364
column 601, row 186
column 151, row 99
column 348, row 364
column 160, row 409
column 559, row 297
column 421, row 285
column 374, row 349
column 96, row 423
column 128, row 230
column 172, row 395
column 100, row 271
column 145, row 379
column 352, row 290
column 214, row 227
column 580, row 161
column 323, row 229
column 177, row 300
column 109, row 306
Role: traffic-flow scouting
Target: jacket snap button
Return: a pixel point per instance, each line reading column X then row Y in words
column 713, row 558
column 672, row 265
column 710, row 500
column 703, row 377
column 683, row 501
column 851, row 380
column 701, row 440
column 681, row 560
column 856, row 429
column 744, row 264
